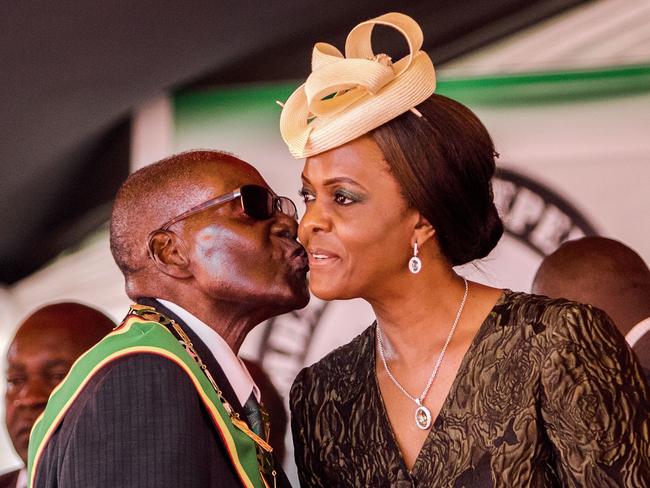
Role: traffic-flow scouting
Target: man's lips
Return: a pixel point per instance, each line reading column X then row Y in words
column 298, row 259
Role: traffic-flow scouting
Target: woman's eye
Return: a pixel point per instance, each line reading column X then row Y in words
column 306, row 196
column 343, row 199
column 347, row 197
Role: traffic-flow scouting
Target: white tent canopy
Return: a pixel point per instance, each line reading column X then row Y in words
column 599, row 34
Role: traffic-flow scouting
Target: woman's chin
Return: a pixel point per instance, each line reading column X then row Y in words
column 330, row 291
column 326, row 289
column 324, row 293
column 331, row 286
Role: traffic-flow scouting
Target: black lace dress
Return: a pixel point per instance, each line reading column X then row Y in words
column 548, row 394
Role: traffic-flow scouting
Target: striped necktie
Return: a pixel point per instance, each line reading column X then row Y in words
column 253, row 414
column 258, row 421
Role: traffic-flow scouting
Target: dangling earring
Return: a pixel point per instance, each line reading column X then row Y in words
column 415, row 265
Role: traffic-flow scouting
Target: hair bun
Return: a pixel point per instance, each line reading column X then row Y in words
column 444, row 162
column 488, row 234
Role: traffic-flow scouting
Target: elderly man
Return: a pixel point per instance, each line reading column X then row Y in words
column 39, row 356
column 607, row 274
column 208, row 251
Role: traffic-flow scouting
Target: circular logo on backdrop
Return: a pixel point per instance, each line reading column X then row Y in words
column 536, row 220
column 537, row 216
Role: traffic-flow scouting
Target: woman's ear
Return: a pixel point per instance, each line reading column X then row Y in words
column 169, row 254
column 422, row 232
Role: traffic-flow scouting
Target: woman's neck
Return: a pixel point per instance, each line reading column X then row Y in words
column 416, row 317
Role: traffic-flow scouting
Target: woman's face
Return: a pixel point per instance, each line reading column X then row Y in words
column 357, row 228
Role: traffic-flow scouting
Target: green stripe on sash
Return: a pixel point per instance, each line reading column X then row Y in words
column 137, row 336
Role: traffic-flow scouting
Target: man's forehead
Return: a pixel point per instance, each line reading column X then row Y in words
column 34, row 336
column 41, row 358
column 45, row 351
column 227, row 175
column 60, row 326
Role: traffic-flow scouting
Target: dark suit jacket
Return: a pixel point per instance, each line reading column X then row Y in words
column 8, row 480
column 140, row 423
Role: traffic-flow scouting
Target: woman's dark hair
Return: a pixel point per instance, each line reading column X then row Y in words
column 444, row 162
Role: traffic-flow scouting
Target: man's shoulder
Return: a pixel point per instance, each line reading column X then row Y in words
column 136, row 384
column 152, row 390
column 137, row 375
column 141, row 414
column 139, row 351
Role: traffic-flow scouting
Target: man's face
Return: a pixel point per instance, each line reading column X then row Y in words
column 235, row 258
column 37, row 360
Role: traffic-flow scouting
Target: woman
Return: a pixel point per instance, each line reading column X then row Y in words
column 456, row 383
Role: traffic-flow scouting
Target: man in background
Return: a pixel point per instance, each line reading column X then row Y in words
column 607, row 274
column 39, row 356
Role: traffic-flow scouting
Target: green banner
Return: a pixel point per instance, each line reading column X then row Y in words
column 501, row 90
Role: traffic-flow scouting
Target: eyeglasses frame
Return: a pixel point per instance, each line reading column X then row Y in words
column 213, row 202
column 220, row 200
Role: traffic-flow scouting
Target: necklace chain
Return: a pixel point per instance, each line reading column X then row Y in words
column 380, row 345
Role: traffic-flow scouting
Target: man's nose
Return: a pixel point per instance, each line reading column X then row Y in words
column 34, row 393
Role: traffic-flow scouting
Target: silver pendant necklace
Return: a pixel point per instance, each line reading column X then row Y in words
column 422, row 414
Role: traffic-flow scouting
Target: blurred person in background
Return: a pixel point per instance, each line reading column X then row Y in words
column 39, row 356
column 606, row 274
column 456, row 383
column 208, row 251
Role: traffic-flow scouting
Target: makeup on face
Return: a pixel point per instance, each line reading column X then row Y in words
column 354, row 227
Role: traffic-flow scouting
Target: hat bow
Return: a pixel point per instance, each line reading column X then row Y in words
column 346, row 96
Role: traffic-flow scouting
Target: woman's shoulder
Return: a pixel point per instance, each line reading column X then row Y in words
column 555, row 319
column 529, row 301
column 528, row 306
column 342, row 368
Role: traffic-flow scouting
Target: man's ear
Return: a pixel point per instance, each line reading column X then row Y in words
column 422, row 232
column 169, row 254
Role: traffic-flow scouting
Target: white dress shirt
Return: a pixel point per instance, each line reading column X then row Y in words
column 233, row 367
column 21, row 481
column 637, row 331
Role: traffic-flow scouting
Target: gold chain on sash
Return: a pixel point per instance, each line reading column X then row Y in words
column 265, row 459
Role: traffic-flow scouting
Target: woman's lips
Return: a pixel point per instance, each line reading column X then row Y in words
column 321, row 257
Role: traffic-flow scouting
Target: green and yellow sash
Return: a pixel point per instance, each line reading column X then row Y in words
column 138, row 335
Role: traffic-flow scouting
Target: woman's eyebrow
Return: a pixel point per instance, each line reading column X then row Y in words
column 340, row 179
column 336, row 180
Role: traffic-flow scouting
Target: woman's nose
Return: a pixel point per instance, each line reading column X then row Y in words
column 316, row 219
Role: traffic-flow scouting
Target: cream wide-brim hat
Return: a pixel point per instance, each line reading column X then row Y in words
column 345, row 97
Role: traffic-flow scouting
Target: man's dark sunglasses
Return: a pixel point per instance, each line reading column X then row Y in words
column 258, row 203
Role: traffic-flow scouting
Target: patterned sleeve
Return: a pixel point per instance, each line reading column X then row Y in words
column 595, row 403
column 307, row 461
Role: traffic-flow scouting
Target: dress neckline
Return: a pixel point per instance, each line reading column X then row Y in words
column 435, row 426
